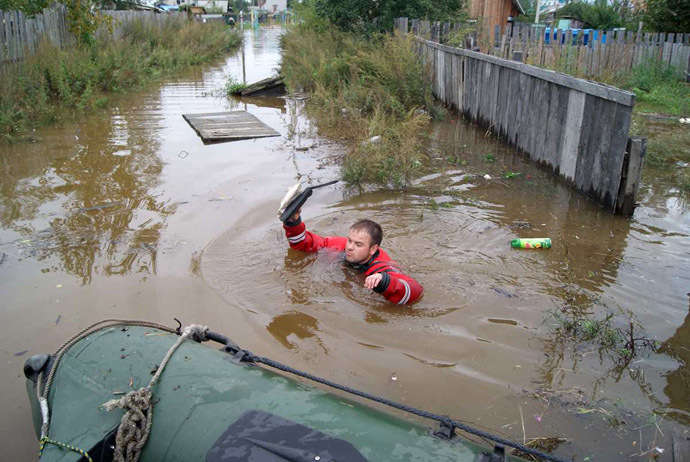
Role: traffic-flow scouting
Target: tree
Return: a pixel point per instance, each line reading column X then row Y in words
column 601, row 14
column 667, row 16
column 361, row 14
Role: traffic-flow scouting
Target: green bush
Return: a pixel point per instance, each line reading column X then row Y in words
column 85, row 76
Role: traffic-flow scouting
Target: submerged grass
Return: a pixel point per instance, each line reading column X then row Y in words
column 36, row 90
column 371, row 92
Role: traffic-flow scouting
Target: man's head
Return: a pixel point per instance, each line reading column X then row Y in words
column 363, row 241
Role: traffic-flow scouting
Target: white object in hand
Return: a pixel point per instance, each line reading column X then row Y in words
column 291, row 194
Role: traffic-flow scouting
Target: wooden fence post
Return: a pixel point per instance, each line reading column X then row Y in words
column 630, row 176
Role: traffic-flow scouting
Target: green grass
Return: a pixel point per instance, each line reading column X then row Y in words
column 657, row 88
column 361, row 88
column 233, row 86
column 37, row 90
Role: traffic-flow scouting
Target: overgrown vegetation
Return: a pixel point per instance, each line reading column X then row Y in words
column 659, row 91
column 601, row 14
column 657, row 88
column 371, row 92
column 37, row 90
column 655, row 15
column 364, row 15
column 234, row 86
column 619, row 343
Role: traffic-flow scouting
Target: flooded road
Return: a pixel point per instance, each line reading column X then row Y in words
column 125, row 213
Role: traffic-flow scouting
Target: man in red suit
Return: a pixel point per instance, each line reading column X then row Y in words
column 362, row 251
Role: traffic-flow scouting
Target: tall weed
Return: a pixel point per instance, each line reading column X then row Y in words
column 84, row 77
column 363, row 88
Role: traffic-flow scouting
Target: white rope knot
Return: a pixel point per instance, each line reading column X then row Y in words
column 196, row 332
column 135, row 424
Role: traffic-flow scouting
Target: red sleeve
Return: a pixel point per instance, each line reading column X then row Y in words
column 397, row 287
column 300, row 239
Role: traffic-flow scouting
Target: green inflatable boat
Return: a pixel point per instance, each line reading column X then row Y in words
column 132, row 390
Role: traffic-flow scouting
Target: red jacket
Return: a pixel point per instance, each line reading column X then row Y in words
column 395, row 286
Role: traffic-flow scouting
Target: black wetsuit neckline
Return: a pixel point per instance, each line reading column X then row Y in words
column 363, row 266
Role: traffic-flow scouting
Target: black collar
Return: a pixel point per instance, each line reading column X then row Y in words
column 364, row 266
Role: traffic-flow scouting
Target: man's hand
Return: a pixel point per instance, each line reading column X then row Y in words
column 295, row 216
column 372, row 281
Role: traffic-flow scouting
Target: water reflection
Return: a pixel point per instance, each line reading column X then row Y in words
column 677, row 387
column 87, row 198
column 291, row 328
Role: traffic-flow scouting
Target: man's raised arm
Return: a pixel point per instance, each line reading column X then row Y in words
column 300, row 239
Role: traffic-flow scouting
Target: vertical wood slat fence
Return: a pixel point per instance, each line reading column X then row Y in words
column 597, row 53
column 578, row 129
column 20, row 36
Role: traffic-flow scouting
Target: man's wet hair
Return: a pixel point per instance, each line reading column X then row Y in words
column 372, row 228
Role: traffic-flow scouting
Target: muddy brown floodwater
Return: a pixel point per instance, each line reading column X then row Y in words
column 125, row 213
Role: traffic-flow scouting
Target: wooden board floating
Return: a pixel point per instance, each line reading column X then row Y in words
column 272, row 86
column 218, row 127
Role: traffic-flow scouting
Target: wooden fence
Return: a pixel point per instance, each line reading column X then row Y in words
column 20, row 36
column 589, row 54
column 578, row 129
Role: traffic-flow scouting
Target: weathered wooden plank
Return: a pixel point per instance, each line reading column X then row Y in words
column 3, row 38
column 512, row 96
column 502, row 98
column 584, row 161
column 630, row 179
column 571, row 136
column 555, row 126
column 228, row 126
column 522, row 100
column 542, row 122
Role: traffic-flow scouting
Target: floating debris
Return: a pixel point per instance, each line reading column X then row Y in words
column 99, row 207
column 272, row 86
column 21, row 353
column 503, row 292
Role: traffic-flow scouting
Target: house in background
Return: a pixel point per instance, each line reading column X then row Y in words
column 275, row 6
column 495, row 12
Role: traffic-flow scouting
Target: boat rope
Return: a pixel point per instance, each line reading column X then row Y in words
column 135, row 425
column 444, row 420
column 45, row 440
column 42, row 392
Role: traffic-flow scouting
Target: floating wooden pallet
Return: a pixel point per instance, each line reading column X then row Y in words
column 228, row 126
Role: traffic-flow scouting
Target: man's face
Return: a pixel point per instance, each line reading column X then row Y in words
column 359, row 247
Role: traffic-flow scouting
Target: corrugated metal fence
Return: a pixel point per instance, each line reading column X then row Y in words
column 578, row 129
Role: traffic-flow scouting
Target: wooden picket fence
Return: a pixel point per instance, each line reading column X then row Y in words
column 600, row 55
column 20, row 36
